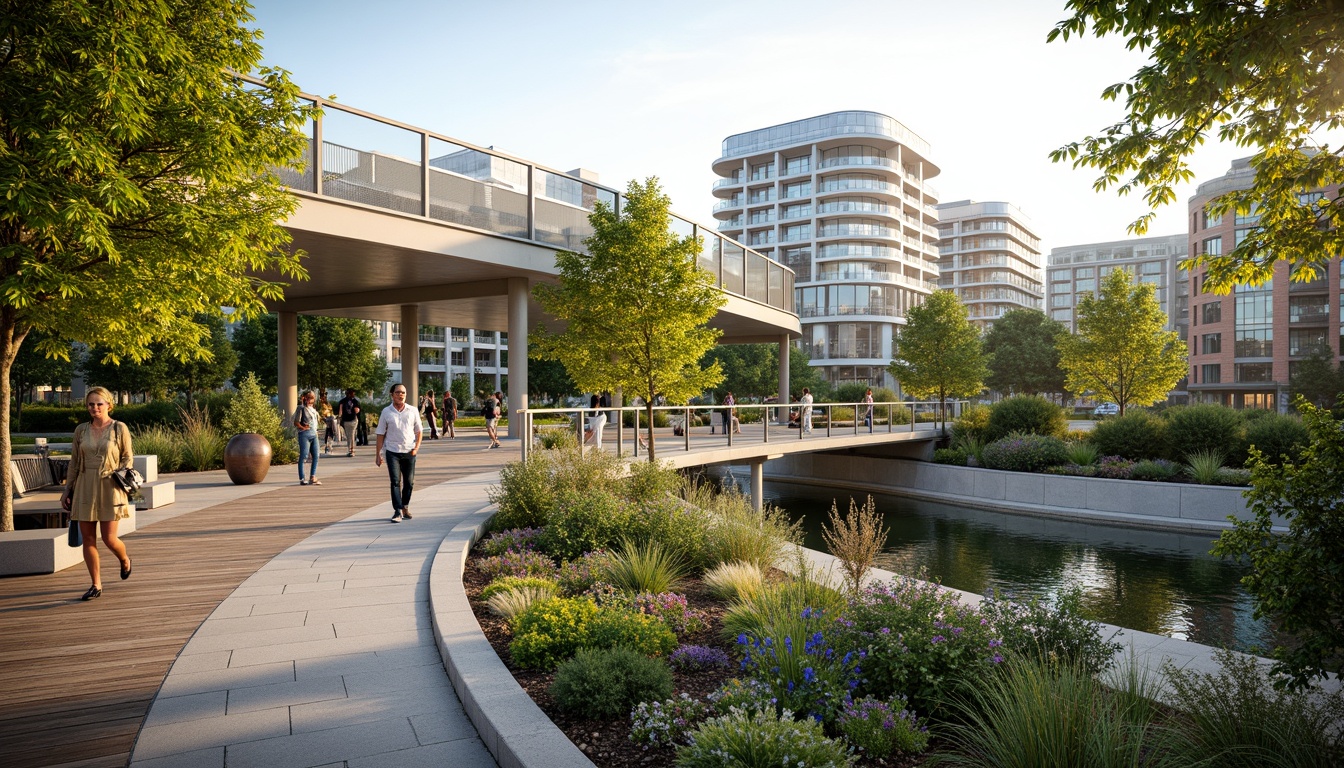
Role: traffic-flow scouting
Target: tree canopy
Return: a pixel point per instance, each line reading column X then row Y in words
column 1122, row 352
column 162, row 373
column 1023, row 357
column 137, row 177
column 33, row 368
column 1295, row 579
column 636, row 306
column 1269, row 76
column 939, row 352
column 333, row 353
column 1317, row 378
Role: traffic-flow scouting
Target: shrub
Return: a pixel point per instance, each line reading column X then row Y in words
column 1025, row 453
column 511, row 602
column 1026, row 414
column 1204, row 466
column 643, row 567
column 734, row 581
column 800, row 666
column 973, row 424
column 1082, row 454
column 1034, row 714
column 954, row 456
column 512, row 540
column 747, row 695
column 880, row 728
column 1136, row 435
column 251, row 411
column 1206, row 427
column 666, row 723
column 739, row 533
column 672, row 610
column 693, row 658
column 1056, row 634
column 1113, row 468
column 1155, row 469
column 855, row 539
column 1277, row 436
column 600, row 684
column 584, row 521
column 557, row 439
column 681, row 529
column 776, row 604
column 756, row 740
column 506, row 583
column 920, row 641
column 615, row 626
column 651, row 482
column 578, row 575
column 1235, row 717
column 528, row 489
column 525, row 563
column 163, row 442
column 1235, row 477
column 202, row 444
column 660, row 419
column 550, row 632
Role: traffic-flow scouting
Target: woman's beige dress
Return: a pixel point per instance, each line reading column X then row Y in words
column 92, row 462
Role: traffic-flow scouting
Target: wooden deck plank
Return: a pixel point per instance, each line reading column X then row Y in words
column 76, row 678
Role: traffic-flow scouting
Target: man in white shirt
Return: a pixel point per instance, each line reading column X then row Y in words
column 806, row 409
column 399, row 434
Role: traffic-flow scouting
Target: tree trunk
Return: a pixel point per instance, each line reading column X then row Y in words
column 648, row 411
column 9, row 349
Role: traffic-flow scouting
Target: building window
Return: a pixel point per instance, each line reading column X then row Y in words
column 1252, row 373
column 1060, row 274
column 396, row 354
column 431, row 356
column 763, row 171
column 1213, row 312
column 801, row 164
column 797, row 232
column 1213, row 246
column 1306, row 341
column 1213, row 343
column 1211, row 374
column 1308, row 309
column 1256, row 342
column 1061, row 301
column 1082, row 272
column 798, row 189
column 1061, row 288
column 459, row 358
column 1085, row 285
column 484, row 358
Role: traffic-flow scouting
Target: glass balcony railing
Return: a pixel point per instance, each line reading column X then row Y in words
column 370, row 160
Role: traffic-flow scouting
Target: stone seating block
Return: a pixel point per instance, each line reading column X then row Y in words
column 159, row 494
column 148, row 466
column 44, row 550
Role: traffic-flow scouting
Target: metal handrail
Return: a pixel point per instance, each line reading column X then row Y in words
column 767, row 414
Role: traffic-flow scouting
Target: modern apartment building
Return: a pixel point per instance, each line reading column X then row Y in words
column 1078, row 269
column 481, row 357
column 843, row 200
column 1244, row 346
column 990, row 256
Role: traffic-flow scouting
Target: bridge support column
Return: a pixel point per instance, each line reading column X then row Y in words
column 410, row 352
column 783, row 410
column 287, row 372
column 517, row 394
column 757, row 484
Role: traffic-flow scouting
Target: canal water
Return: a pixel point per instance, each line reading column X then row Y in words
column 1165, row 583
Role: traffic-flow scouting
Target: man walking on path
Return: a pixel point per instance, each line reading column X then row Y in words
column 399, row 434
column 348, row 412
column 449, row 414
column 431, row 414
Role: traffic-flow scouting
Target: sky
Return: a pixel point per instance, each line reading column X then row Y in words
column 637, row 89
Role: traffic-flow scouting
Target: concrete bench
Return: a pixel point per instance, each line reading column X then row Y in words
column 44, row 550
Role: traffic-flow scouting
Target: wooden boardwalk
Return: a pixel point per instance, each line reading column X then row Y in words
column 76, row 679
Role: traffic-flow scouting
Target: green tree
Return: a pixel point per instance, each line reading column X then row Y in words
column 147, row 377
column 258, row 352
column 803, row 374
column 461, row 388
column 1122, row 352
column 1317, row 379
column 32, row 369
column 547, row 379
column 748, row 369
column 333, row 353
column 203, row 374
column 138, row 178
column 1297, row 579
column 1263, row 75
column 636, row 305
column 251, row 411
column 1023, row 357
column 939, row 352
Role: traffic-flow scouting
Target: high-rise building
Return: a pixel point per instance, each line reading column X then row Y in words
column 1244, row 347
column 480, row 357
column 1078, row 269
column 841, row 199
column 990, row 257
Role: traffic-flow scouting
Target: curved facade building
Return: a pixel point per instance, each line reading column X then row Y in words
column 990, row 257
column 841, row 199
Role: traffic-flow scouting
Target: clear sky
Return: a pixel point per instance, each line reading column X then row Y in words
column 636, row 89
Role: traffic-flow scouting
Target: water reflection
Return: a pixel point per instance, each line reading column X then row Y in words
column 1159, row 582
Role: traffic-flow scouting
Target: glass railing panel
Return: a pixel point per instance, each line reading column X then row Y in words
column 369, row 162
column 680, row 227
column 477, row 189
column 758, row 278
column 301, row 179
column 775, row 284
column 711, row 254
column 563, row 206
column 733, row 268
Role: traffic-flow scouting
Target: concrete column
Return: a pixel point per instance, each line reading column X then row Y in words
column 517, row 394
column 784, row 379
column 757, row 484
column 287, row 374
column 410, row 352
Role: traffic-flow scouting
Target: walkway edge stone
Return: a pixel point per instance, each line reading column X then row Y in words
column 513, row 727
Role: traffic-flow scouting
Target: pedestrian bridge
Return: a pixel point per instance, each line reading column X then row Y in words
column 406, row 225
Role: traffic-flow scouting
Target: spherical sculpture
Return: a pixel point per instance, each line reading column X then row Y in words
column 247, row 458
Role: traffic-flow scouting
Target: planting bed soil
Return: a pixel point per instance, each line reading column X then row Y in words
column 607, row 742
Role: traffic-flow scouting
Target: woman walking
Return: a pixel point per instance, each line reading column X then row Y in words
column 100, row 447
column 305, row 425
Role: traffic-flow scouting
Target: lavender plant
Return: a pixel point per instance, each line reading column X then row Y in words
column 693, row 658
column 880, row 728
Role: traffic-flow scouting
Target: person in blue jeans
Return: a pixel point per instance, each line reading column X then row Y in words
column 305, row 424
column 399, row 435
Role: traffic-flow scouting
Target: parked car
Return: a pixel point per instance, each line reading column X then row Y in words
column 1106, row 409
